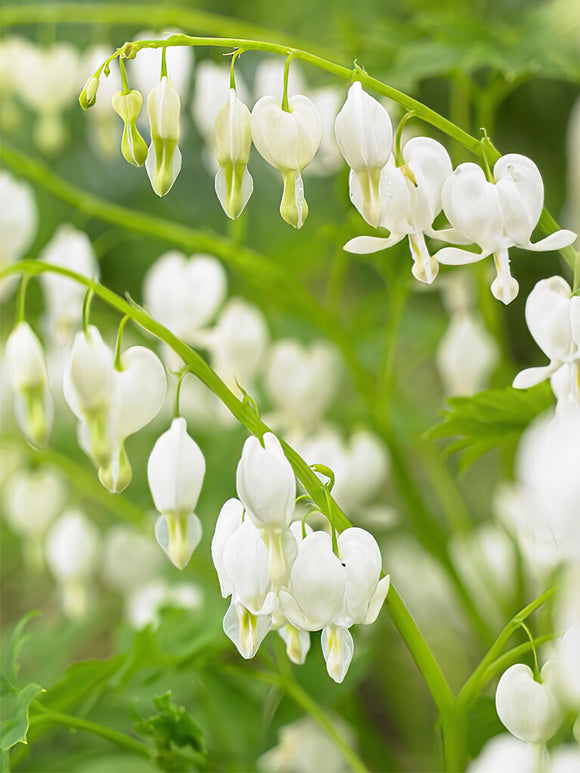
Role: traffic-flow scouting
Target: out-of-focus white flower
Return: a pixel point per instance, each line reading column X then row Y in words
column 265, row 483
column 145, row 69
column 29, row 378
column 466, row 356
column 163, row 162
column 304, row 747
column 410, row 199
column 497, row 216
column 567, row 667
column 49, row 80
column 185, row 293
column 233, row 140
column 364, row 135
column 542, row 508
column 11, row 48
column 72, row 553
column 175, row 473
column 301, row 381
column 333, row 592
column 527, row 708
column 237, row 343
column 565, row 759
column 553, row 317
column 360, row 466
column 505, row 754
column 112, row 404
column 573, row 169
column 485, row 559
column 130, row 559
column 32, row 501
column 328, row 159
column 145, row 603
column 69, row 248
column 18, row 223
column 288, row 140
column 269, row 78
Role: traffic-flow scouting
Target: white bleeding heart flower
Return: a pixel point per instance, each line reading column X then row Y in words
column 211, row 89
column 497, row 216
column 128, row 106
column 527, row 708
column 553, row 318
column 175, row 472
column 130, row 558
column 185, row 293
column 410, row 200
column 364, row 135
column 33, row 403
column 506, row 754
column 233, row 140
column 266, row 484
column 332, row 592
column 163, row 162
column 111, row 403
column 288, row 140
column 567, row 665
column 297, row 643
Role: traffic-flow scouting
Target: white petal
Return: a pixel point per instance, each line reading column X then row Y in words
column 297, row 643
column 425, row 268
column 246, row 563
column 377, row 600
column 142, row 385
column 531, row 376
column 471, row 205
column 555, row 241
column 504, row 287
column 229, row 519
column 526, row 708
column 338, row 649
column 247, row 631
column 178, row 537
column 453, row 256
column 548, row 315
column 363, row 130
column 364, row 245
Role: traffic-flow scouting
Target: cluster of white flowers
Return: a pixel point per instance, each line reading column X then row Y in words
column 283, row 576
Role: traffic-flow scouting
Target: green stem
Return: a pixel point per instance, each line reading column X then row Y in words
column 119, row 342
column 513, row 656
column 76, row 723
column 21, row 300
column 306, row 702
column 285, row 104
column 477, row 681
column 125, row 84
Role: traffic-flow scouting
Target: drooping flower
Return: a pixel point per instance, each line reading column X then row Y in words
column 553, row 318
column 497, row 216
column 364, row 135
column 128, row 106
column 466, row 355
column 527, row 708
column 144, row 69
column 163, row 161
column 233, row 140
column 409, row 200
column 332, row 592
column 33, row 403
column 175, row 472
column 18, row 223
column 288, row 140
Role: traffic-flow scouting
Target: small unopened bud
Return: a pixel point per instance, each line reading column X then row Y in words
column 88, row 95
column 163, row 161
column 128, row 106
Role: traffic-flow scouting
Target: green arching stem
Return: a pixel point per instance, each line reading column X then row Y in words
column 180, row 377
column 535, row 654
column 500, row 664
column 21, row 300
column 235, row 55
column 399, row 132
column 77, row 723
column 87, row 308
column 164, row 62
column 477, row 681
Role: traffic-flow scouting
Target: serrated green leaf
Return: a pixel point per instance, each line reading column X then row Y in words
column 489, row 419
column 17, row 640
column 14, row 724
column 178, row 739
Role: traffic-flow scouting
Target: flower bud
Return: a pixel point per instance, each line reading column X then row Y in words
column 133, row 146
column 88, row 95
column 233, row 140
column 288, row 140
column 175, row 472
column 266, row 484
column 163, row 161
column 32, row 399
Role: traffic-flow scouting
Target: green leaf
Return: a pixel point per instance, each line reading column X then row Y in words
column 14, row 723
column 490, row 419
column 178, row 739
column 10, row 664
column 79, row 681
